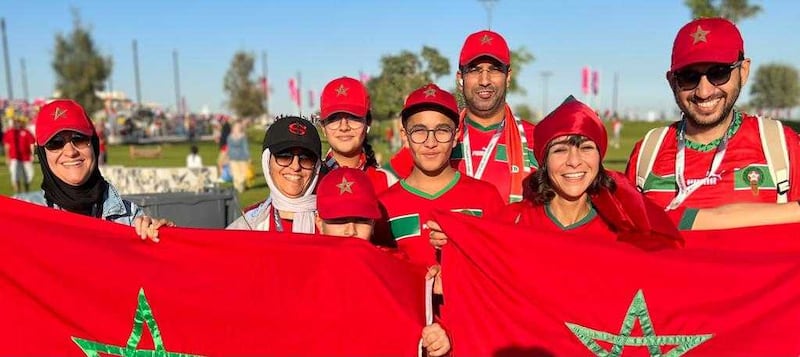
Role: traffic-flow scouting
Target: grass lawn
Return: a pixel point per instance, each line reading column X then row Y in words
column 174, row 155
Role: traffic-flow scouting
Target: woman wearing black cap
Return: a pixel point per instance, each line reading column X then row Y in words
column 291, row 164
column 68, row 150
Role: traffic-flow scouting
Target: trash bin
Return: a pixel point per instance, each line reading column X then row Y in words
column 215, row 209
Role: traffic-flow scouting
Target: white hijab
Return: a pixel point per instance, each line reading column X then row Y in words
column 304, row 207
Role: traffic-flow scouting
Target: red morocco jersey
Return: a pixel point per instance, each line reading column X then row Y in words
column 497, row 171
column 528, row 214
column 743, row 174
column 407, row 209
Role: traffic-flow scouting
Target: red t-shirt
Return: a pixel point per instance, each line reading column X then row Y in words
column 527, row 214
column 497, row 171
column 744, row 162
column 25, row 141
column 407, row 209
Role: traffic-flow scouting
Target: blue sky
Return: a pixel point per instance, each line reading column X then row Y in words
column 326, row 39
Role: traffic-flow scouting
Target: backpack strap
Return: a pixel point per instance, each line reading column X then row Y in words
column 773, row 142
column 647, row 154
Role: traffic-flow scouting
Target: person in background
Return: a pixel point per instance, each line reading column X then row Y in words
column 18, row 143
column 345, row 120
column 67, row 146
column 238, row 155
column 291, row 164
column 193, row 160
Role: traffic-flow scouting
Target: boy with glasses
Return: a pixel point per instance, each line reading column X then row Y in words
column 430, row 119
column 715, row 154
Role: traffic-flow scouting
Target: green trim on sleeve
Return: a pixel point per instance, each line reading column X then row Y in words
column 687, row 219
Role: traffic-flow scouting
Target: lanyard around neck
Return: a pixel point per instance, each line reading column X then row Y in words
column 487, row 152
column 684, row 189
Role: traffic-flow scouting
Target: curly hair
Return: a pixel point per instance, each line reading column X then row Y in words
column 538, row 188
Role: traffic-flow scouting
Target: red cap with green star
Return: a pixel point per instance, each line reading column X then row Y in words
column 707, row 40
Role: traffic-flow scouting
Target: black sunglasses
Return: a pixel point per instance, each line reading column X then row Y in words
column 79, row 141
column 716, row 75
column 306, row 160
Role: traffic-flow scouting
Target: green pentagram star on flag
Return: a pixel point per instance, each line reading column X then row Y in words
column 144, row 314
column 653, row 342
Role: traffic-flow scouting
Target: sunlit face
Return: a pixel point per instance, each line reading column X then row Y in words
column 484, row 86
column 430, row 136
column 74, row 162
column 570, row 168
column 707, row 105
column 294, row 177
column 345, row 133
column 354, row 227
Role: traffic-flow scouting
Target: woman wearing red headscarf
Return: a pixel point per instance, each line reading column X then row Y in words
column 572, row 193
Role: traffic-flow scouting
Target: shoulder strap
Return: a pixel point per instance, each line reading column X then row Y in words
column 773, row 142
column 647, row 154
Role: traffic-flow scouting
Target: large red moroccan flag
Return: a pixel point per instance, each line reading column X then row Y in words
column 509, row 291
column 74, row 286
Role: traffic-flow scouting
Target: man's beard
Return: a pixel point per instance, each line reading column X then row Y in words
column 730, row 102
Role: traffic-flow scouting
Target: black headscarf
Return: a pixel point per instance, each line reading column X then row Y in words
column 86, row 199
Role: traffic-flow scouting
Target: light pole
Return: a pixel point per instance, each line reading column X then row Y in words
column 178, row 108
column 488, row 4
column 5, row 55
column 545, row 78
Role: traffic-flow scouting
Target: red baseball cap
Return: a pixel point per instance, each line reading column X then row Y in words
column 709, row 40
column 344, row 95
column 60, row 115
column 430, row 97
column 570, row 118
column 484, row 43
column 347, row 192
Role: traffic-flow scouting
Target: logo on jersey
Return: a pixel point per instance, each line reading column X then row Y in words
column 755, row 177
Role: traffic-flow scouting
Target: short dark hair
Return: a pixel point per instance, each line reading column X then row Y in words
column 194, row 149
column 538, row 188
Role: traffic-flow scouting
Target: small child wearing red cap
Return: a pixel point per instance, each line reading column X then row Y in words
column 348, row 207
column 346, row 117
column 430, row 119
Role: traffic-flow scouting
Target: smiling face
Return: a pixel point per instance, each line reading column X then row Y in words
column 708, row 105
column 74, row 162
column 345, row 133
column 430, row 136
column 573, row 163
column 484, row 83
column 293, row 177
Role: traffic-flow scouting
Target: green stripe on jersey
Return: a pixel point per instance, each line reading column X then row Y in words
column 665, row 183
column 405, row 226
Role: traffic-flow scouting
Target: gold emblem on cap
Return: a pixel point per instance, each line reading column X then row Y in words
column 486, row 39
column 345, row 186
column 341, row 91
column 699, row 35
column 430, row 92
column 59, row 113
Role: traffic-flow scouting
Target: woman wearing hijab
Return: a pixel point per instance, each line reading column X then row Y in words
column 291, row 164
column 68, row 150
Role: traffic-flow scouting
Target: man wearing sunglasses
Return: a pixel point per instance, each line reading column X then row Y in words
column 715, row 154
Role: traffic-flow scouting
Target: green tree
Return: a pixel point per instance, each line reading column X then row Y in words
column 733, row 10
column 775, row 86
column 400, row 74
column 525, row 112
column 79, row 67
column 519, row 58
column 245, row 98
